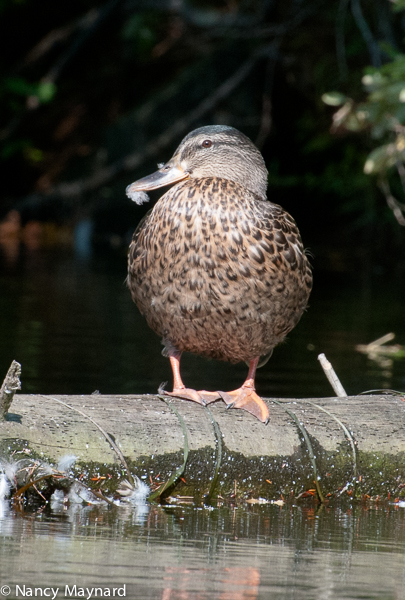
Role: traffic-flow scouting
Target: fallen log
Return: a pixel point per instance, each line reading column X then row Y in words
column 324, row 447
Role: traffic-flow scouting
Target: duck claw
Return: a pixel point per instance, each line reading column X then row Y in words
column 246, row 398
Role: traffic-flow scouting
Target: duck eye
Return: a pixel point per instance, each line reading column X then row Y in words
column 206, row 144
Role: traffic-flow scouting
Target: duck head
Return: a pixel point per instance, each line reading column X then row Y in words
column 212, row 151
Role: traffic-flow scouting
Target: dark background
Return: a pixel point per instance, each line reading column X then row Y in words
column 93, row 94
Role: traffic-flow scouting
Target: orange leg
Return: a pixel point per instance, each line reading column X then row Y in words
column 179, row 389
column 246, row 398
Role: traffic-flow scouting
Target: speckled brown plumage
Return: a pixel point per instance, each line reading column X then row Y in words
column 216, row 268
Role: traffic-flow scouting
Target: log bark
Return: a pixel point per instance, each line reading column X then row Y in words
column 344, row 446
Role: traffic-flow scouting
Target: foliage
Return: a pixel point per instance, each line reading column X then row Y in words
column 16, row 93
column 98, row 91
column 382, row 115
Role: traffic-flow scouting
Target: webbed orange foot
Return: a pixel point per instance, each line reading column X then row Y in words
column 201, row 397
column 247, row 399
column 179, row 389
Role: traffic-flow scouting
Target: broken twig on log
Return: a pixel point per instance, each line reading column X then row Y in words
column 332, row 377
column 10, row 385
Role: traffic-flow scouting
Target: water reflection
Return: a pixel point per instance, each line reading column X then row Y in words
column 200, row 553
column 73, row 327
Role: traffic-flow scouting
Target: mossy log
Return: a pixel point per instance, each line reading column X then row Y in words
column 338, row 446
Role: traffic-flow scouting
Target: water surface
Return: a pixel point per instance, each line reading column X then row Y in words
column 201, row 553
column 73, row 327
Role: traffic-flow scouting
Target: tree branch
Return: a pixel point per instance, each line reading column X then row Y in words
column 397, row 207
column 132, row 161
column 365, row 31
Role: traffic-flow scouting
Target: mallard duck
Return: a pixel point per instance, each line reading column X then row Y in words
column 216, row 268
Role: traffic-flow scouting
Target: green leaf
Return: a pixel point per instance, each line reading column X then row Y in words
column 333, row 98
column 19, row 86
column 398, row 5
column 35, row 155
column 381, row 159
column 46, row 91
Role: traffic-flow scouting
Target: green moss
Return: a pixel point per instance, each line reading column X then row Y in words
column 240, row 477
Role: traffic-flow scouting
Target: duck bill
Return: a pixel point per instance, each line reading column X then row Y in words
column 158, row 179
